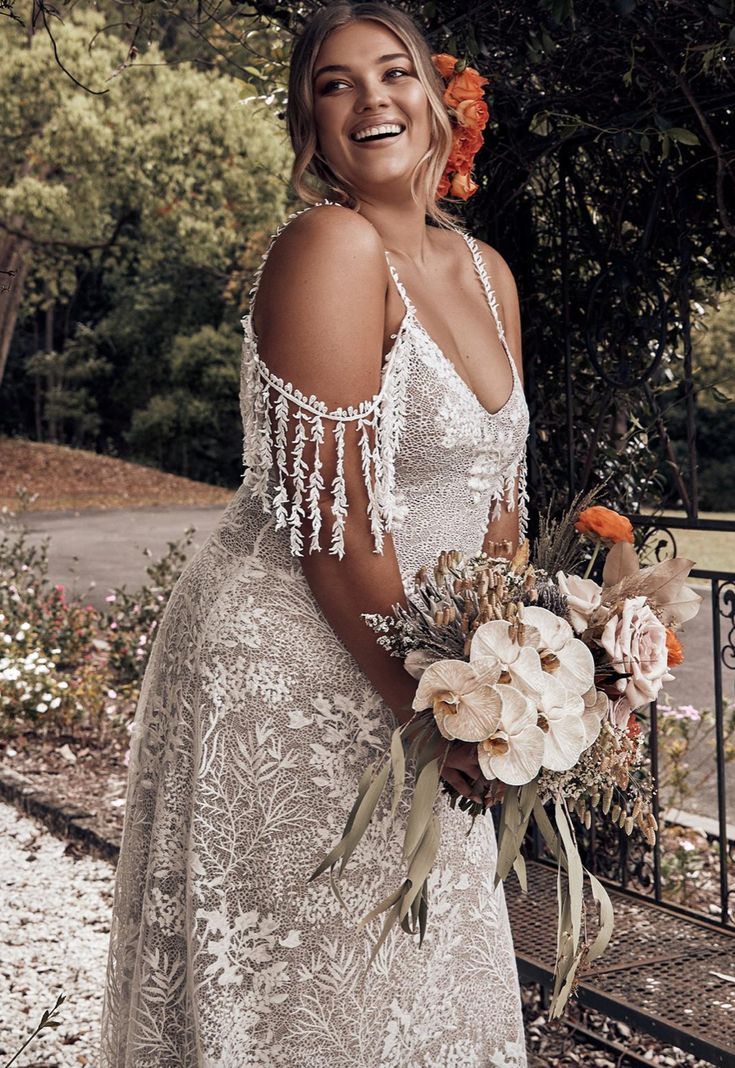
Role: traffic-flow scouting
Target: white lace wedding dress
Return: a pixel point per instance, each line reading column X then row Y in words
column 253, row 728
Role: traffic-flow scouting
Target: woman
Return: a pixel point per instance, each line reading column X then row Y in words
column 377, row 433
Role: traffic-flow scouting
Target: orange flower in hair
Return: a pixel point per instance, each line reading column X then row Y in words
column 463, row 96
column 465, row 86
column 445, row 64
column 604, row 523
column 463, row 186
column 473, row 114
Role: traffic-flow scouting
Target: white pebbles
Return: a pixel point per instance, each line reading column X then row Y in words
column 54, row 931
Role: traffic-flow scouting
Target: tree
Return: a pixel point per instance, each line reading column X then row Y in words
column 150, row 164
column 193, row 426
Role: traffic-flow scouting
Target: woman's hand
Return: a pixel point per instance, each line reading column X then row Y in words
column 462, row 771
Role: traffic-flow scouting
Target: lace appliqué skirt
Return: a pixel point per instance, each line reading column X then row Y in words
column 253, row 728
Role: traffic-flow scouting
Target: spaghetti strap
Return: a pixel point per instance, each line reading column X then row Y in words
column 400, row 287
column 492, row 300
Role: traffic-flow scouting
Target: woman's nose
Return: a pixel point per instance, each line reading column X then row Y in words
column 371, row 94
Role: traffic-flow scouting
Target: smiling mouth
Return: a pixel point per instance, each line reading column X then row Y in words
column 377, row 133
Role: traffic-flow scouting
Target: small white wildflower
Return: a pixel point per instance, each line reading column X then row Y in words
column 41, row 707
column 56, row 701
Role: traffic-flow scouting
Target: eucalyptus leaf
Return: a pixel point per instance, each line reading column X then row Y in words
column 364, row 814
column 362, row 789
column 423, row 911
column 575, row 871
column 398, row 762
column 386, row 903
column 607, row 918
column 390, row 921
column 422, row 806
column 422, row 863
column 519, row 866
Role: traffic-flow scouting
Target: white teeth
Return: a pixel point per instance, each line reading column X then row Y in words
column 373, row 131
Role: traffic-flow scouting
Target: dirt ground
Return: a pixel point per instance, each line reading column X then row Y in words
column 58, row 477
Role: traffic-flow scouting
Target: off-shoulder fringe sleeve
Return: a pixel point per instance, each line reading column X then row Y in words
column 279, row 421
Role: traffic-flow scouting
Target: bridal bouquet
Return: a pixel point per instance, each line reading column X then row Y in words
column 544, row 676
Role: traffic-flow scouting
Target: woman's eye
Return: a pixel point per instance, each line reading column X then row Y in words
column 396, row 70
column 328, row 86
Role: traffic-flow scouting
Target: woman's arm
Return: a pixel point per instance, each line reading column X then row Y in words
column 320, row 326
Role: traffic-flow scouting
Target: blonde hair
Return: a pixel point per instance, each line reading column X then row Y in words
column 308, row 163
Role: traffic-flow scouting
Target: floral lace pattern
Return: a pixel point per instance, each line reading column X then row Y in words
column 252, row 730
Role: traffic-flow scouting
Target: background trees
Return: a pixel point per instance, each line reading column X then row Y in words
column 606, row 181
column 133, row 213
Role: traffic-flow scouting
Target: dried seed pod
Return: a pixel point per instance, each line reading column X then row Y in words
column 637, row 807
column 622, row 818
column 629, row 825
column 607, row 795
column 615, row 813
column 587, row 818
column 651, row 821
column 595, row 799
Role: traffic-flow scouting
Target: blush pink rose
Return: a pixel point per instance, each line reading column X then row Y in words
column 635, row 641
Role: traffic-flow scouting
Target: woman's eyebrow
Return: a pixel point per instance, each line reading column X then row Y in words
column 380, row 59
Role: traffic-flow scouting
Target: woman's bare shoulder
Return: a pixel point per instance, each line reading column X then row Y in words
column 320, row 256
column 320, row 308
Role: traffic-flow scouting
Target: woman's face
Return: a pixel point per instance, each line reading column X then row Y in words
column 371, row 111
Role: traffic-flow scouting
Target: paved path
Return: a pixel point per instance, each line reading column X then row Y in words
column 91, row 552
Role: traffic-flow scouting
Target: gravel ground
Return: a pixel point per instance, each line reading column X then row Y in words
column 55, row 906
column 54, row 929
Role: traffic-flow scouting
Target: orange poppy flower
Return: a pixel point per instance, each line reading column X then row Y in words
column 674, row 648
column 604, row 523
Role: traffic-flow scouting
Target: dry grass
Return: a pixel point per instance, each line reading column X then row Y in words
column 65, row 478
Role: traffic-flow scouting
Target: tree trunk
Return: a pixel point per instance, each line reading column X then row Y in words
column 14, row 262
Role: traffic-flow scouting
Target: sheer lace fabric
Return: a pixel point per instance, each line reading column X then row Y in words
column 253, row 728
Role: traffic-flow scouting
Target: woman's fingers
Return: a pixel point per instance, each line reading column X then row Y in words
column 462, row 784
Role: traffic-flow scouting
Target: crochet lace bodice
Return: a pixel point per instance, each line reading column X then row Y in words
column 436, row 463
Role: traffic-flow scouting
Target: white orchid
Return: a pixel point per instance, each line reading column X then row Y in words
column 465, row 702
column 515, row 751
column 493, row 649
column 565, row 735
column 596, row 708
column 563, row 657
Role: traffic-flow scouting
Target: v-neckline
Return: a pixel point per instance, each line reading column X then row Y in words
column 453, row 370
column 490, row 298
